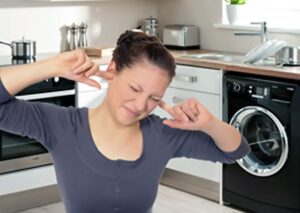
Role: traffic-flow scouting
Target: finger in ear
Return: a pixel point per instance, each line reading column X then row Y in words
column 111, row 67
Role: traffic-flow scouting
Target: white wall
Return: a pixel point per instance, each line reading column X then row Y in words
column 43, row 21
column 204, row 13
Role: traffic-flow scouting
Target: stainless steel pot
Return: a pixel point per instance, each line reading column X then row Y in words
column 150, row 27
column 22, row 49
column 288, row 56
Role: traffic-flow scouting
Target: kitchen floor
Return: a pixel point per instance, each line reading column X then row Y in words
column 168, row 200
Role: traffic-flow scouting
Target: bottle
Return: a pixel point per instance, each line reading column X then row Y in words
column 73, row 37
column 82, row 42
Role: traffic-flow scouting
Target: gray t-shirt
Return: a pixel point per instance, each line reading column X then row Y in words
column 88, row 181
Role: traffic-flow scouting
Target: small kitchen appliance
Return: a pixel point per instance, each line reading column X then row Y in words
column 181, row 37
column 289, row 56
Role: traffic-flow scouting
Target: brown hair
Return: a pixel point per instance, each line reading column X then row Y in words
column 133, row 47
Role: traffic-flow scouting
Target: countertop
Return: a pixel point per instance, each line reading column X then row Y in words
column 265, row 70
column 287, row 72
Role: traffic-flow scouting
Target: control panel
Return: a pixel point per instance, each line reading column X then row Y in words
column 258, row 90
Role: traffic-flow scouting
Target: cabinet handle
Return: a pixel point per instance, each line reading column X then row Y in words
column 186, row 78
column 177, row 100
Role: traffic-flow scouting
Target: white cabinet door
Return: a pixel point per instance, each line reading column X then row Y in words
column 90, row 99
column 200, row 168
column 27, row 179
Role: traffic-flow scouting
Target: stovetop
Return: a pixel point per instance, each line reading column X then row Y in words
column 49, row 85
column 7, row 60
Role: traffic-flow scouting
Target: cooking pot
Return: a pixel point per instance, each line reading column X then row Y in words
column 288, row 55
column 150, row 26
column 22, row 49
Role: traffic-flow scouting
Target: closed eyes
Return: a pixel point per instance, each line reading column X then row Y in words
column 155, row 99
column 133, row 88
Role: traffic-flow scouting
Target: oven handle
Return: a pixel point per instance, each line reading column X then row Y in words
column 47, row 95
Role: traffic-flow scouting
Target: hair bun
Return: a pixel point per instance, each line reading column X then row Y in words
column 135, row 46
column 130, row 37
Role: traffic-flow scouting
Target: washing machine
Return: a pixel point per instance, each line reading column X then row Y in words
column 267, row 113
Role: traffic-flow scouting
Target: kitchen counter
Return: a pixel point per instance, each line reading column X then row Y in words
column 258, row 69
column 266, row 70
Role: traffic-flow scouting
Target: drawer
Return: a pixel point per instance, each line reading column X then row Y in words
column 197, row 79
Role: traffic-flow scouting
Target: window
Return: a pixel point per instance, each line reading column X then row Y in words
column 277, row 13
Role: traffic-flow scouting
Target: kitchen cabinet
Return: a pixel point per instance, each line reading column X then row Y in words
column 27, row 179
column 205, row 85
column 91, row 97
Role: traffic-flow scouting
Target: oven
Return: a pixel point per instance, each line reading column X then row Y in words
column 18, row 152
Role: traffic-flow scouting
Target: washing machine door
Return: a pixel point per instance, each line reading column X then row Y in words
column 267, row 139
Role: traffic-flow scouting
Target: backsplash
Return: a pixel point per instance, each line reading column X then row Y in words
column 44, row 21
column 205, row 14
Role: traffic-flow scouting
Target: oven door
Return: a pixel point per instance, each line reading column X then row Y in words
column 18, row 152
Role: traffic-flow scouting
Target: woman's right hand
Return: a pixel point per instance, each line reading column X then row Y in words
column 75, row 65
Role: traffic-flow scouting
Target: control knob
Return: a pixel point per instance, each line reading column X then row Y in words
column 237, row 87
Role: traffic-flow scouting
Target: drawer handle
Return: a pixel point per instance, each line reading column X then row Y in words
column 185, row 78
column 177, row 100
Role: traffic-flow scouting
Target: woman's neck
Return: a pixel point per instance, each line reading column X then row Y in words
column 108, row 123
column 114, row 140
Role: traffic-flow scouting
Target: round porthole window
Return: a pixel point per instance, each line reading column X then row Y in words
column 267, row 139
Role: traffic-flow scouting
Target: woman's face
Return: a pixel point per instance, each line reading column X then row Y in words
column 136, row 91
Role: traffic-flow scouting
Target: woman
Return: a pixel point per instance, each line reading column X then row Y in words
column 110, row 158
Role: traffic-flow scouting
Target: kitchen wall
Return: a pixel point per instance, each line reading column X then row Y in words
column 205, row 13
column 44, row 21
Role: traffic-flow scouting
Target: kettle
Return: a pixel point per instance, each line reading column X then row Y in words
column 150, row 26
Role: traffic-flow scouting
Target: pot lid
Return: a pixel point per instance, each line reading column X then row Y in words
column 151, row 20
column 23, row 40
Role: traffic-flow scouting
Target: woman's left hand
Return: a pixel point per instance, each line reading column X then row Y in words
column 189, row 115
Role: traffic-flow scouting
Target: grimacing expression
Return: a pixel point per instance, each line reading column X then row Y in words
column 134, row 92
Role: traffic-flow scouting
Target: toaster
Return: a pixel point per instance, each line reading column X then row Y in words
column 181, row 37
